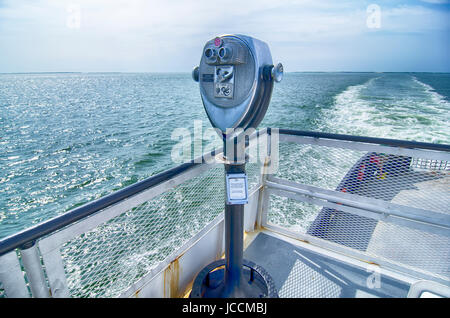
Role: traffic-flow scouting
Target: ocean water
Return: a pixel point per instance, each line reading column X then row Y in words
column 69, row 138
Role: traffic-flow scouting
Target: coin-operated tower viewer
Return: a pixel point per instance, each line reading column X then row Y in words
column 236, row 78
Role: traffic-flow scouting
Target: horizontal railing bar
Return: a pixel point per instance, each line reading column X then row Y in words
column 404, row 222
column 370, row 140
column 374, row 205
column 19, row 239
column 366, row 147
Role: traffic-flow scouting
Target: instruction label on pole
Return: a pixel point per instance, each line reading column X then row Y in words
column 237, row 192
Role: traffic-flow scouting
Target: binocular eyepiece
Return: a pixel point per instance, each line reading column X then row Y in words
column 211, row 54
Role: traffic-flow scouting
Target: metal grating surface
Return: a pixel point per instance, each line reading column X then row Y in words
column 107, row 260
column 301, row 273
column 306, row 282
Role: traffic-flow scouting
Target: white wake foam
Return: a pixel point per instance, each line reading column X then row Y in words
column 421, row 115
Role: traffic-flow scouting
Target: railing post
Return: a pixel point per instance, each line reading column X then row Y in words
column 35, row 273
column 264, row 197
column 11, row 276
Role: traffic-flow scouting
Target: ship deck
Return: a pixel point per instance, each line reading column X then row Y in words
column 302, row 271
column 335, row 216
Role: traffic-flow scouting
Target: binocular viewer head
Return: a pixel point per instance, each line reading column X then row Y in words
column 236, row 77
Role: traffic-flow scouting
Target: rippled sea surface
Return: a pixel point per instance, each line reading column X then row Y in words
column 66, row 139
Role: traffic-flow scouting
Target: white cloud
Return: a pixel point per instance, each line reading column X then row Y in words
column 166, row 35
column 414, row 19
column 436, row 1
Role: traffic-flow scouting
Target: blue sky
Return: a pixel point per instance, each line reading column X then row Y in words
column 168, row 35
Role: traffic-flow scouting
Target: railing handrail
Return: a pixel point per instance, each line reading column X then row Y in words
column 28, row 236
column 370, row 140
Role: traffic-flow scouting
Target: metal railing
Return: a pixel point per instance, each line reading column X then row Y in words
column 114, row 245
column 382, row 201
column 41, row 261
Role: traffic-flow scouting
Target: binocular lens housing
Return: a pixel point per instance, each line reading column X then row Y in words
column 209, row 53
column 224, row 52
